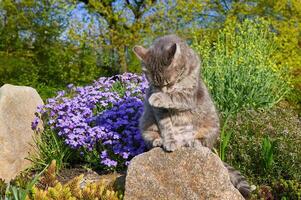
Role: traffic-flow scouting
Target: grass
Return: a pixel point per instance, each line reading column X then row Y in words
column 224, row 140
column 265, row 148
column 260, row 159
column 49, row 146
column 267, row 153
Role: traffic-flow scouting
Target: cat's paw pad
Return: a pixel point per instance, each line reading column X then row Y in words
column 170, row 146
column 157, row 142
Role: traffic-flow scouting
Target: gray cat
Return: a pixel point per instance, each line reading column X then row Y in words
column 178, row 110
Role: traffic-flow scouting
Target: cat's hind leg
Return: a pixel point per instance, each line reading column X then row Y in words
column 208, row 132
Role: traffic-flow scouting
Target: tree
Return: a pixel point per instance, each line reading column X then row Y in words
column 28, row 31
column 128, row 22
column 32, row 51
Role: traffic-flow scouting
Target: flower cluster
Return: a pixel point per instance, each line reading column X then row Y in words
column 103, row 117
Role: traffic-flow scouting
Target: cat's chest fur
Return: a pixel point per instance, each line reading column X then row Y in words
column 177, row 117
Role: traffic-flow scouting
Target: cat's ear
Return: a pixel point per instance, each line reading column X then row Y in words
column 141, row 52
column 174, row 51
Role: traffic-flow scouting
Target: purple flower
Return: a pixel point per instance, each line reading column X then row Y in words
column 35, row 123
column 104, row 114
column 69, row 86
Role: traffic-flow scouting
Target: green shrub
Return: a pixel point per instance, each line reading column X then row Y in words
column 238, row 68
column 32, row 52
column 246, row 150
column 52, row 67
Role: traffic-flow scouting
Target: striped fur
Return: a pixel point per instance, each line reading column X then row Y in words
column 239, row 181
column 178, row 105
column 178, row 110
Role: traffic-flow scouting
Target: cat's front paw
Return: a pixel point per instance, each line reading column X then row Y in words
column 170, row 146
column 158, row 142
column 158, row 100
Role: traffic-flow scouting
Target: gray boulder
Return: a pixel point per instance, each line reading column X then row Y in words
column 187, row 173
column 17, row 107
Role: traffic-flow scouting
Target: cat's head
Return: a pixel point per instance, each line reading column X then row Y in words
column 163, row 62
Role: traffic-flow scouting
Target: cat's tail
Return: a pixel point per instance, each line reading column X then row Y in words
column 239, row 181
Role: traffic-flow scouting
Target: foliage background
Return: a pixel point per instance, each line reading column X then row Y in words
column 51, row 43
column 251, row 59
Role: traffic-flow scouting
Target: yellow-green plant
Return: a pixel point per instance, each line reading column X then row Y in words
column 49, row 188
column 238, row 68
column 284, row 18
column 72, row 191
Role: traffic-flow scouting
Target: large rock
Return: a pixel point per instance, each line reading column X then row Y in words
column 17, row 107
column 187, row 173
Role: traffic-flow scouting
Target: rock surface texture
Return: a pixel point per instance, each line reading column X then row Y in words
column 187, row 173
column 17, row 107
